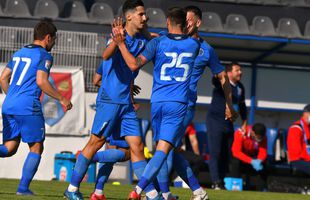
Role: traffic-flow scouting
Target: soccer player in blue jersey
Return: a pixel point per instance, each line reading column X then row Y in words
column 173, row 56
column 117, row 149
column 23, row 80
column 114, row 105
column 206, row 57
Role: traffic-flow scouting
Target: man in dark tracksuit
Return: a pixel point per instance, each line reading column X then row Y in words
column 221, row 130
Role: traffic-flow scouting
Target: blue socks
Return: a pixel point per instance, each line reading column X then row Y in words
column 170, row 161
column 29, row 169
column 3, row 151
column 109, row 155
column 103, row 175
column 163, row 178
column 184, row 170
column 152, row 169
column 79, row 171
column 138, row 168
column 163, row 175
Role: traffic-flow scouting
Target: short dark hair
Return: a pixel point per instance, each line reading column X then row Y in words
column 306, row 108
column 259, row 129
column 177, row 16
column 131, row 4
column 195, row 10
column 229, row 67
column 43, row 28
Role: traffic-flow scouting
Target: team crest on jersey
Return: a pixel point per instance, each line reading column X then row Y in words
column 141, row 44
column 48, row 64
column 201, row 52
column 52, row 109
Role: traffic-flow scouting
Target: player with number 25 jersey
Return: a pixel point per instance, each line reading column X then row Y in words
column 175, row 56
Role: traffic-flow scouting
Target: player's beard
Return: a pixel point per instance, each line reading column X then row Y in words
column 49, row 47
column 191, row 31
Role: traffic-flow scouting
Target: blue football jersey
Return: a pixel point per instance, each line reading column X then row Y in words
column 206, row 57
column 23, row 97
column 173, row 57
column 116, row 75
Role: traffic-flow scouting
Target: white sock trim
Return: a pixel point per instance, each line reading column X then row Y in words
column 99, row 192
column 72, row 188
column 152, row 194
column 199, row 191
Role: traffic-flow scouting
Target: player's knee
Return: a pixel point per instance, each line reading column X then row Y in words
column 137, row 147
column 96, row 142
column 164, row 146
column 11, row 152
column 38, row 149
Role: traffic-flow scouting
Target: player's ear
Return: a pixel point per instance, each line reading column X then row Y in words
column 47, row 38
column 168, row 22
column 128, row 16
column 198, row 23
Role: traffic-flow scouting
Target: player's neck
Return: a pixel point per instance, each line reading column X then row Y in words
column 233, row 82
column 131, row 30
column 195, row 35
column 175, row 31
column 40, row 43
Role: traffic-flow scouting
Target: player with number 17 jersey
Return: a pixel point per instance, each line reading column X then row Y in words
column 173, row 56
column 23, row 97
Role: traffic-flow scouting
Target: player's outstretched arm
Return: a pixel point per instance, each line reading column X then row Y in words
column 47, row 88
column 5, row 79
column 230, row 112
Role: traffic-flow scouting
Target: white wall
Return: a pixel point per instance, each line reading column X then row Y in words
column 12, row 167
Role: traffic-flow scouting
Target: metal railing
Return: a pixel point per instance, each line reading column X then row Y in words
column 71, row 49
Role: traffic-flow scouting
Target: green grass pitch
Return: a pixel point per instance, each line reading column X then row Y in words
column 54, row 190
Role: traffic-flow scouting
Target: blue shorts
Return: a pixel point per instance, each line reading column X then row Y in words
column 116, row 140
column 119, row 142
column 30, row 128
column 117, row 119
column 189, row 116
column 167, row 121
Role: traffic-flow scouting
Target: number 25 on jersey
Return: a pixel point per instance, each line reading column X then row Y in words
column 177, row 63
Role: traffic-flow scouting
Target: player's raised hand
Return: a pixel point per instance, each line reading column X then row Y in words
column 135, row 90
column 117, row 36
column 66, row 103
column 118, row 23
